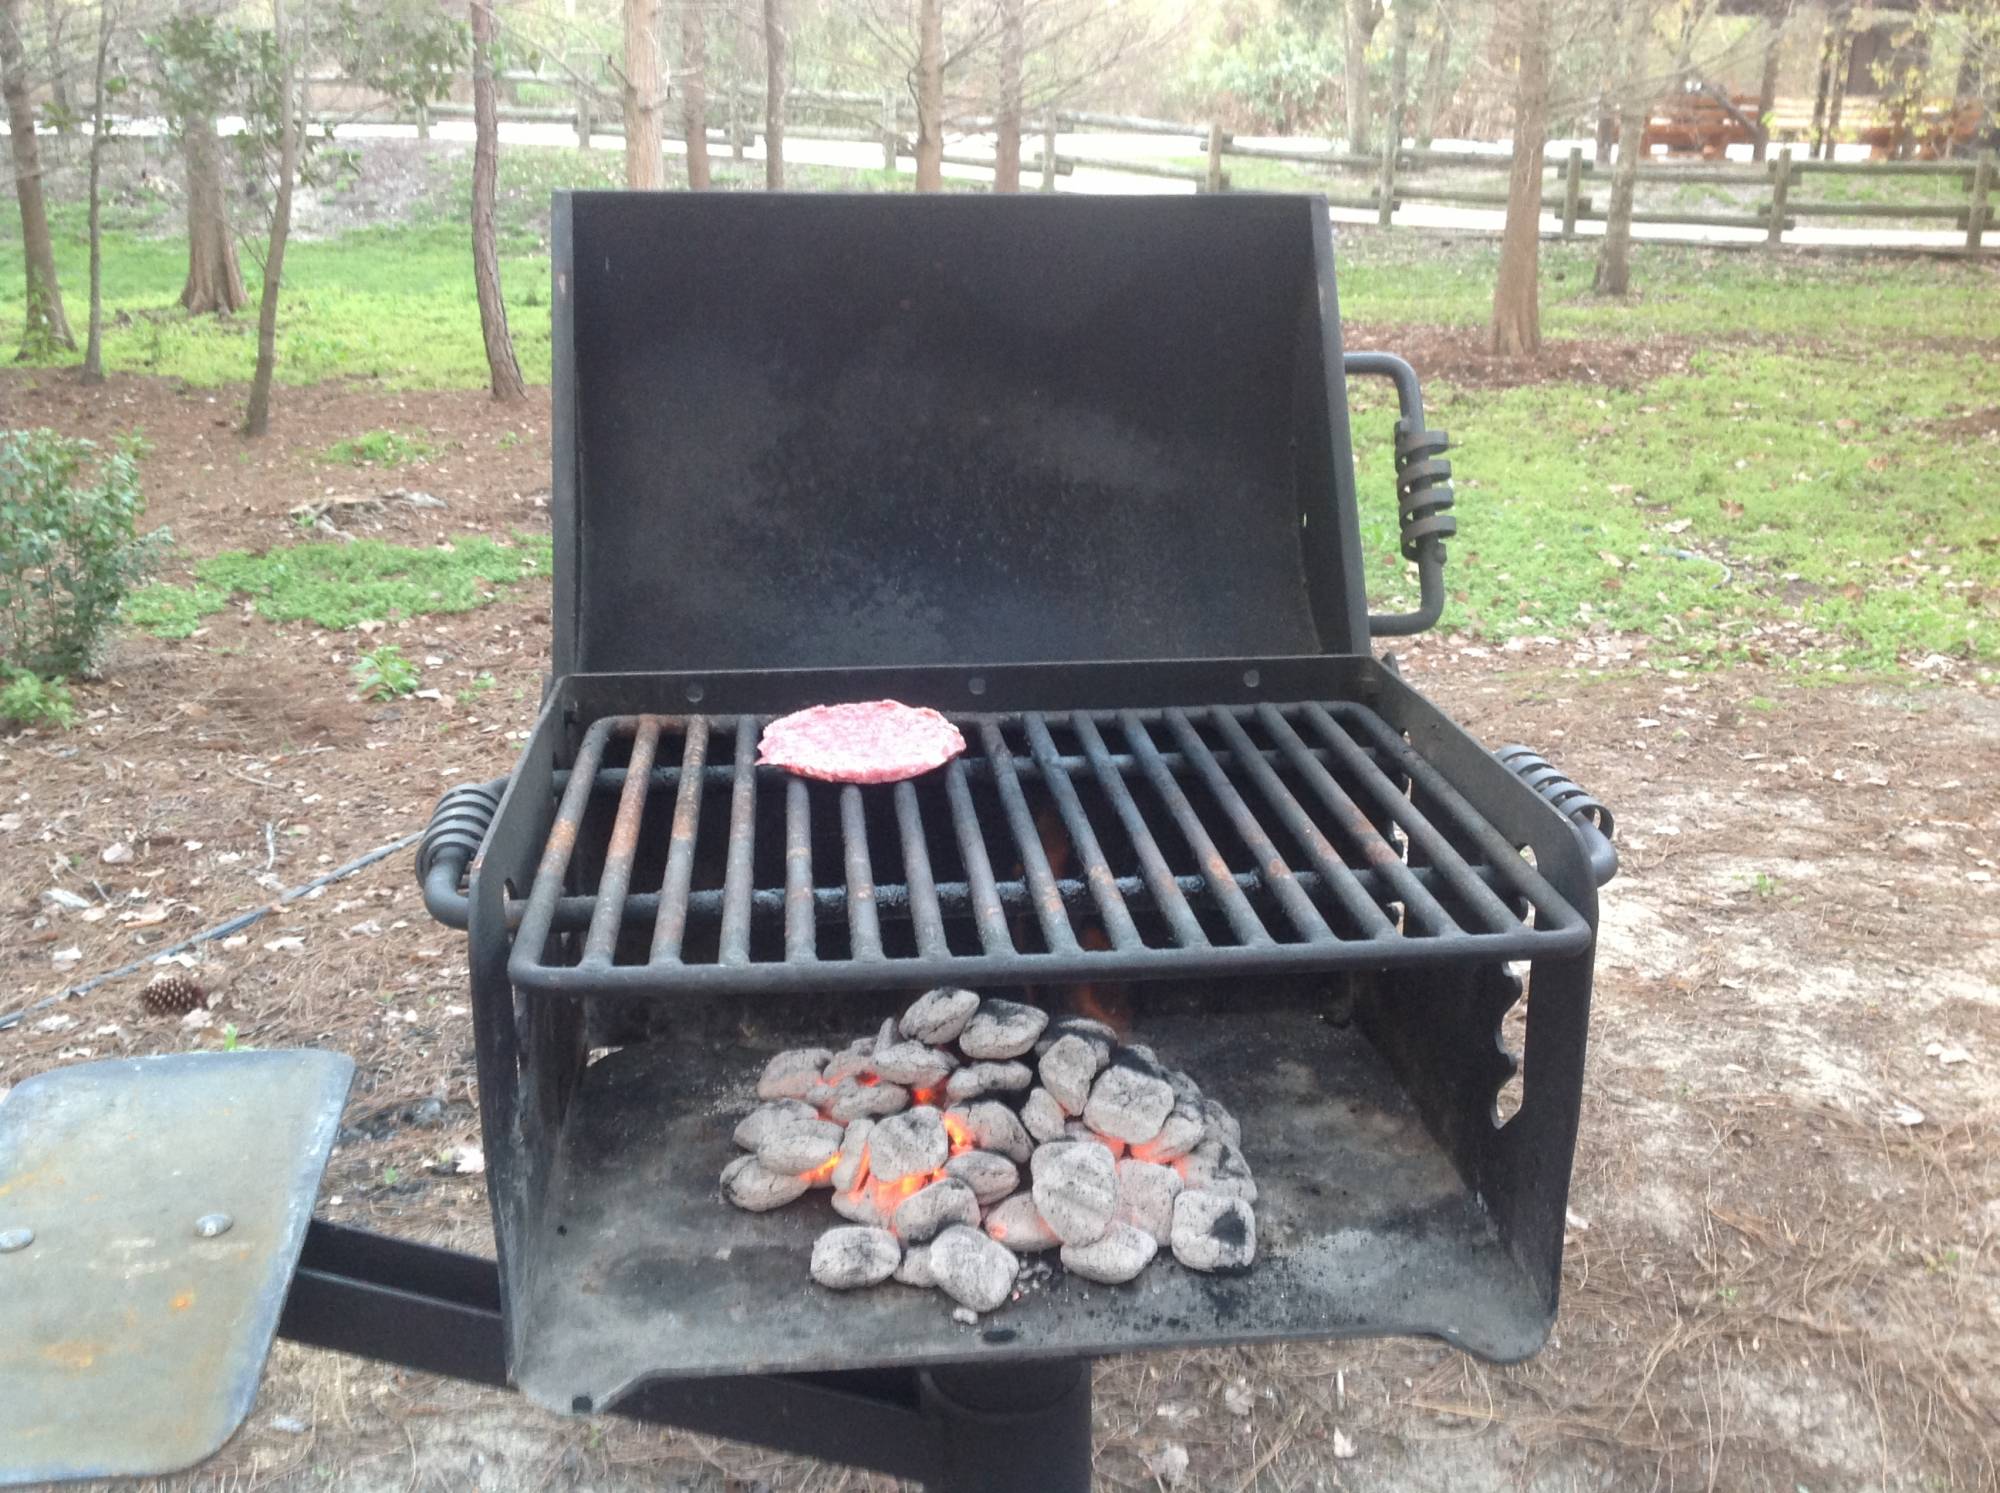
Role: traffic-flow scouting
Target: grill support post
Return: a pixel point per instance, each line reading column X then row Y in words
column 1011, row 1430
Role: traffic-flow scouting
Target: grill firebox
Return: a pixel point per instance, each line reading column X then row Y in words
column 1075, row 473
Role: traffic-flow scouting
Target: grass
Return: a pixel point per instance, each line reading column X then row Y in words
column 379, row 448
column 341, row 585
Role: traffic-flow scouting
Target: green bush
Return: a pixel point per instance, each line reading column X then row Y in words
column 70, row 548
column 29, row 700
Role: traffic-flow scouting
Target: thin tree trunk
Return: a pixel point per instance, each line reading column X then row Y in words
column 774, row 95
column 1767, row 90
column 930, row 95
column 44, row 325
column 257, row 415
column 1399, row 69
column 503, row 369
column 214, row 280
column 93, row 345
column 52, row 25
column 694, row 91
column 644, row 154
column 1517, row 321
column 1437, row 64
column 1007, row 123
column 1829, row 45
column 1360, row 27
column 1614, row 254
column 1842, row 52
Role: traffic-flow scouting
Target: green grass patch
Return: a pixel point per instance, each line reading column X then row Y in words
column 379, row 448
column 342, row 585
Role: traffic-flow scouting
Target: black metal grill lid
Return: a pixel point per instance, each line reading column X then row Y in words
column 835, row 431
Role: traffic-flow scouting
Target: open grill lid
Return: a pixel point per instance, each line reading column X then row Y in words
column 827, row 431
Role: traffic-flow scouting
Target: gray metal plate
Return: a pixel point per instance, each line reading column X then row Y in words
column 131, row 1345
column 641, row 1271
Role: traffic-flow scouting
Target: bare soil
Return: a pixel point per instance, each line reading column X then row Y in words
column 1460, row 356
column 1782, row 1270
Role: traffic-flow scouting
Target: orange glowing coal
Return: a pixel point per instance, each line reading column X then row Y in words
column 927, row 1096
column 961, row 1138
column 820, row 1173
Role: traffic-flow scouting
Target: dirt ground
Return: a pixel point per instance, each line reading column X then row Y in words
column 1782, row 1270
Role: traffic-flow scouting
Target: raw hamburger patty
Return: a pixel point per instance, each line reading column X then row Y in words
column 879, row 741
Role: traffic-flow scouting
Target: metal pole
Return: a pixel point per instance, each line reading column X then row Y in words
column 1781, row 188
column 1982, row 188
column 1022, row 1430
column 1572, row 179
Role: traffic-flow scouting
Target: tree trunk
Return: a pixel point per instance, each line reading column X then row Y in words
column 694, row 91
column 1767, row 90
column 52, row 25
column 45, row 325
column 1007, row 124
column 1829, row 45
column 257, row 415
column 1360, row 17
column 930, row 95
column 1842, row 51
column 644, row 158
column 214, row 280
column 1517, row 321
column 1437, row 66
column 503, row 369
column 775, row 59
column 1614, row 255
column 1399, row 70
column 93, row 344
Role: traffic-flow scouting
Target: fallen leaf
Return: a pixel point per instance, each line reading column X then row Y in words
column 1904, row 1114
column 1610, row 559
column 1169, row 1463
column 237, row 941
column 1947, row 1056
column 55, row 1023
column 1238, row 1399
column 1343, row 1446
column 61, row 958
column 283, row 945
column 1678, row 526
column 115, row 854
column 1576, row 1220
column 1731, row 509
column 468, row 1161
column 10, row 822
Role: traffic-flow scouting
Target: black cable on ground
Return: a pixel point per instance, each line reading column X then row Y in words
column 220, row 930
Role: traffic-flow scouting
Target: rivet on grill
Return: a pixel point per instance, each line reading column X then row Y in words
column 977, row 684
column 209, row 1225
column 695, row 691
column 1251, row 678
column 15, row 1239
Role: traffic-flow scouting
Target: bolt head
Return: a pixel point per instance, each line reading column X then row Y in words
column 209, row 1225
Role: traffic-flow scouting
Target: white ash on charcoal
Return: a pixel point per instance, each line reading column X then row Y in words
column 972, row 1136
column 844, row 1259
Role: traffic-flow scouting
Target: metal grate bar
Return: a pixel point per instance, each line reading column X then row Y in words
column 800, row 923
column 554, row 866
column 1168, row 898
column 1277, row 874
column 1424, row 909
column 1425, row 837
column 1334, row 873
column 925, row 912
column 1118, row 925
column 742, row 842
column 1049, row 909
column 1552, row 910
column 1215, row 870
column 615, row 880
column 864, row 924
column 670, row 926
column 987, row 912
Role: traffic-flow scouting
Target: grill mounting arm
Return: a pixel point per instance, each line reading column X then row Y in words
column 457, row 829
column 1592, row 822
column 1423, row 494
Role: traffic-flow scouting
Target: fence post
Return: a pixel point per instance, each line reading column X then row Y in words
column 1215, row 139
column 1982, row 190
column 1781, row 189
column 888, row 129
column 423, row 121
column 1572, row 180
column 1049, row 152
column 586, row 77
column 1385, row 187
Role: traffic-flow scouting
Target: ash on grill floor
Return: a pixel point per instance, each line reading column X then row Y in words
column 645, row 1271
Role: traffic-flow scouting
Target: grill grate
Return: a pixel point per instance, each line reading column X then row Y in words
column 1066, row 846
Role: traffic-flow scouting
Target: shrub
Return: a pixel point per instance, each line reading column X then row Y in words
column 70, row 548
column 384, row 674
column 29, row 700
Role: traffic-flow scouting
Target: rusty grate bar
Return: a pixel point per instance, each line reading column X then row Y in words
column 1049, row 909
column 800, row 924
column 864, row 924
column 615, row 880
column 987, row 910
column 1168, row 896
column 1215, row 870
column 736, row 874
column 925, row 911
column 670, row 921
column 554, row 867
column 1118, row 925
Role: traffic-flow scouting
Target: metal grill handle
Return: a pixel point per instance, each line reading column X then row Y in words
column 1423, row 494
column 1589, row 818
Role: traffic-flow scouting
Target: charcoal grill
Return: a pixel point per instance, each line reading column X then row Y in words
column 1077, row 473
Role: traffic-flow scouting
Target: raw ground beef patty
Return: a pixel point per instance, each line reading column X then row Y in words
column 877, row 741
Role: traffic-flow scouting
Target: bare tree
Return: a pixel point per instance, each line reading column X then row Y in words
column 291, row 109
column 1614, row 254
column 1399, row 69
column 774, row 94
column 503, row 369
column 930, row 95
column 694, row 91
column 45, row 325
column 1362, row 17
column 1007, row 117
column 1431, row 92
column 53, row 18
column 93, row 344
column 1767, row 84
column 645, row 165
column 1517, row 322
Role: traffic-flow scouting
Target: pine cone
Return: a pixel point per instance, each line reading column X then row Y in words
column 173, row 994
